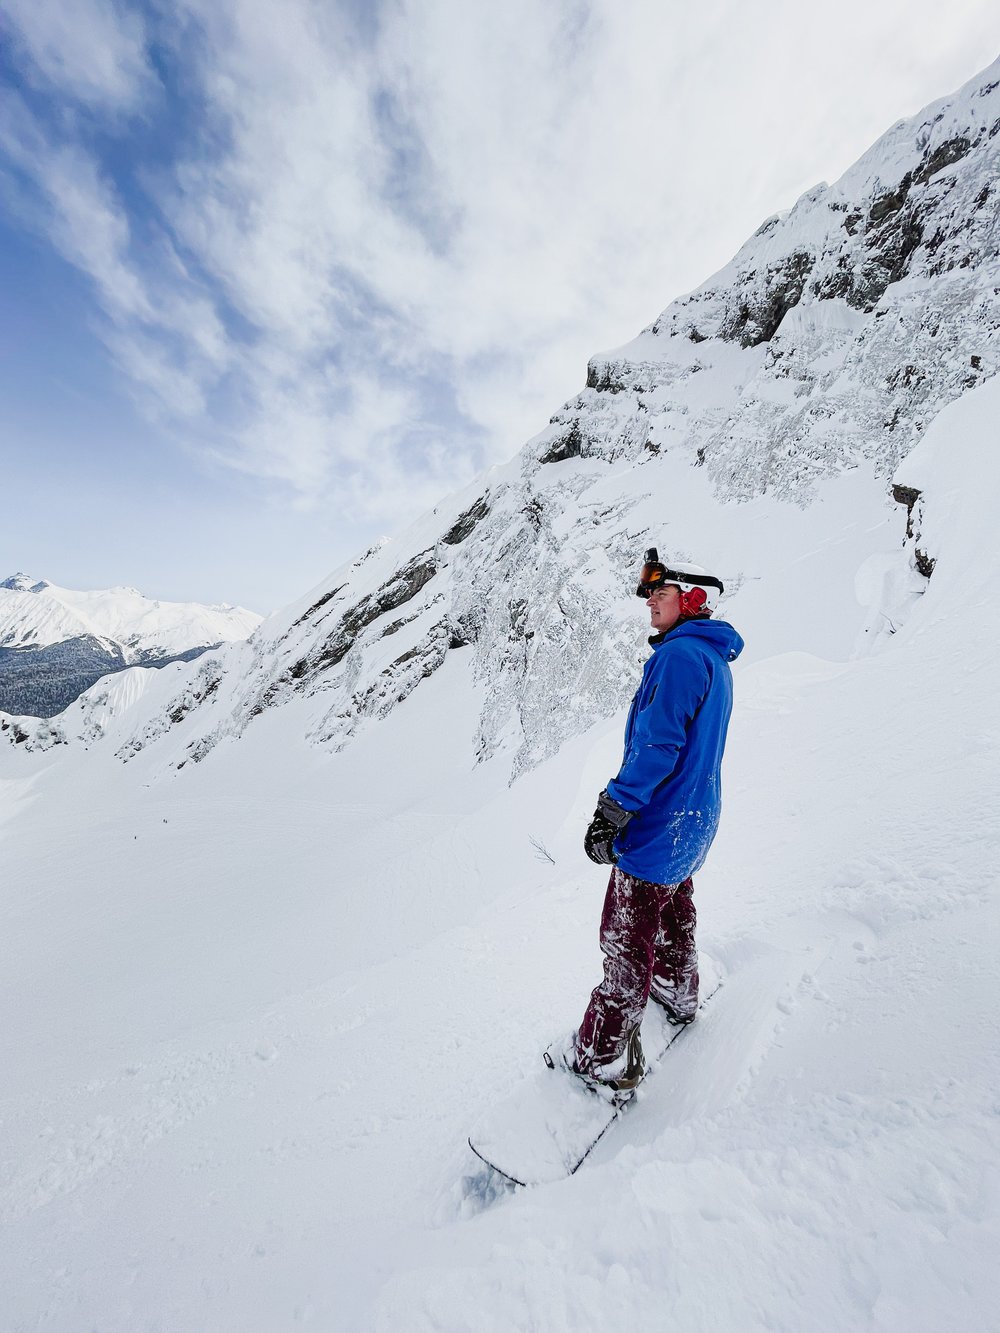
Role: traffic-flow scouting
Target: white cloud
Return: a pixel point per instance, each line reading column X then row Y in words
column 165, row 334
column 91, row 50
column 76, row 209
column 392, row 247
column 167, row 387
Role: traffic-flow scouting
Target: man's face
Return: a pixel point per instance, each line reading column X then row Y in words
column 664, row 608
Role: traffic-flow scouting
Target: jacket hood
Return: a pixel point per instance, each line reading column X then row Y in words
column 718, row 633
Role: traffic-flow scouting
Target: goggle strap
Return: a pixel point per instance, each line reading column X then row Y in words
column 700, row 580
column 658, row 573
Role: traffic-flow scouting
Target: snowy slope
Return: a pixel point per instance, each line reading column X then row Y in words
column 269, row 996
column 793, row 382
column 36, row 612
column 270, row 944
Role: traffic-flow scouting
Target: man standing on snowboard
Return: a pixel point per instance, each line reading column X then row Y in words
column 655, row 821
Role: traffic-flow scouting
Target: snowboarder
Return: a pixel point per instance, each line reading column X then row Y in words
column 655, row 821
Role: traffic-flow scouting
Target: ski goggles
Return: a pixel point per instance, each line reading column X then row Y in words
column 652, row 576
column 655, row 575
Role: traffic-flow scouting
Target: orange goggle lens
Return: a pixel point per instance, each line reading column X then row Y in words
column 651, row 577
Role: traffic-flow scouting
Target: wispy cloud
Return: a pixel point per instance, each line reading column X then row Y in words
column 76, row 208
column 390, row 233
column 165, row 334
column 93, row 50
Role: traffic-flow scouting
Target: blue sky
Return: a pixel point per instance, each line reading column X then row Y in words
column 277, row 277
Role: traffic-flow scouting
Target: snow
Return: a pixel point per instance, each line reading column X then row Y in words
column 39, row 612
column 277, row 927
column 549, row 1125
column 254, row 1007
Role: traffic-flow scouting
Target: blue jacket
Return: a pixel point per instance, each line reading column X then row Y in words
column 674, row 738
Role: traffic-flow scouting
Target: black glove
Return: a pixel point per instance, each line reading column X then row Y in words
column 609, row 820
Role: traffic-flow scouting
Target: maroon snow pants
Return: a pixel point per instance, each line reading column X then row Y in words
column 647, row 938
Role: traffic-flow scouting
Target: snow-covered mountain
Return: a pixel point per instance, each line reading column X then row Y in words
column 34, row 612
column 804, row 370
column 253, row 1012
column 255, row 1005
column 56, row 642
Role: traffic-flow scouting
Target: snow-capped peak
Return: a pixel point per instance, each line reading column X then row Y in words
column 36, row 612
column 24, row 583
column 56, row 642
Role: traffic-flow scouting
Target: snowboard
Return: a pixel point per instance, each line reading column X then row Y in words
column 552, row 1121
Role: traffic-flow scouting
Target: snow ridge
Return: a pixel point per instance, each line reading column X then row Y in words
column 36, row 612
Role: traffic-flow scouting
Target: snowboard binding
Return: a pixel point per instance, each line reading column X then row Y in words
column 616, row 1089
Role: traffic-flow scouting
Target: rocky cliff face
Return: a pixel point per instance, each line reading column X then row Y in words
column 828, row 344
column 861, row 312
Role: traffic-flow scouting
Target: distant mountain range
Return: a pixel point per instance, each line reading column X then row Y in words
column 57, row 642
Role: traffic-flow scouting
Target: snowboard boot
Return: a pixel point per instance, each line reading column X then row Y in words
column 619, row 1077
column 679, row 1004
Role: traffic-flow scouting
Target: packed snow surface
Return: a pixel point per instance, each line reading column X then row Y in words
column 252, row 1008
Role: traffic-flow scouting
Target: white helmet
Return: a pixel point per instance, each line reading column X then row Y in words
column 700, row 590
